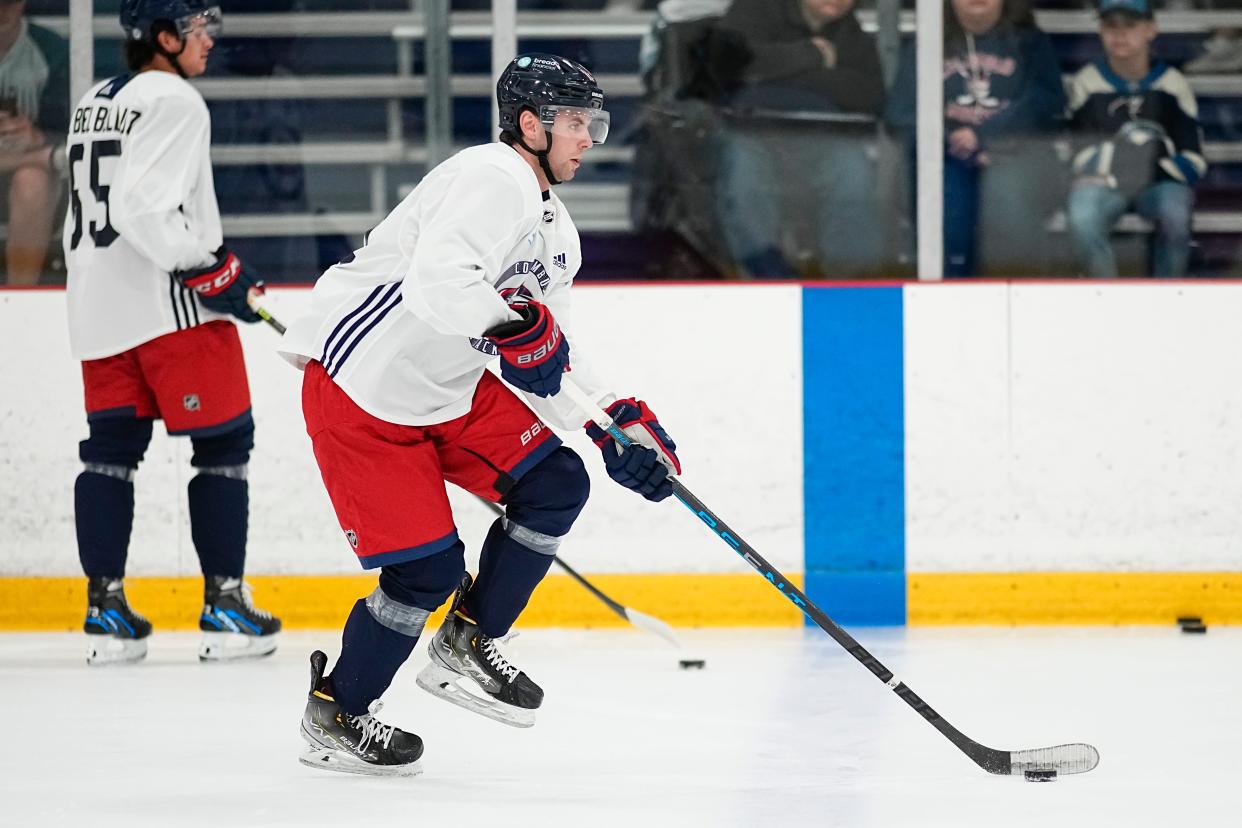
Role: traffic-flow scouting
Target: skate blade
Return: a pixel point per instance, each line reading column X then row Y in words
column 317, row 756
column 450, row 686
column 227, row 646
column 331, row 760
column 103, row 650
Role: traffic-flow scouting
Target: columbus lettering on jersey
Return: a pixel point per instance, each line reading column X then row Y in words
column 514, row 286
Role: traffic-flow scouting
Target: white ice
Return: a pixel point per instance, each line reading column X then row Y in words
column 782, row 728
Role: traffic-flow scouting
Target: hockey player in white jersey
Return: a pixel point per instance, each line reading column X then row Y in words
column 476, row 262
column 152, row 291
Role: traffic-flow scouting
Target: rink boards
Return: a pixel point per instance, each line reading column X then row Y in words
column 964, row 453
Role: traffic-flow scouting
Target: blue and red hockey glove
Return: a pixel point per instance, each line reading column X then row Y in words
column 224, row 285
column 533, row 351
column 645, row 466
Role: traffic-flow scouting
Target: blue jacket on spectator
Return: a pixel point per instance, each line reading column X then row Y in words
column 1014, row 86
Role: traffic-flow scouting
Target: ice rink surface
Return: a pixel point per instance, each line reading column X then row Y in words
column 781, row 728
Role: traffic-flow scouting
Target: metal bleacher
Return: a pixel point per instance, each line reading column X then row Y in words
column 389, row 163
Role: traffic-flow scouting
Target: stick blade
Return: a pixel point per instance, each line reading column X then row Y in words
column 652, row 625
column 1064, row 759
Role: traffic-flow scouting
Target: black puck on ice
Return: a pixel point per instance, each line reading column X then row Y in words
column 1040, row 776
column 692, row 664
column 1191, row 624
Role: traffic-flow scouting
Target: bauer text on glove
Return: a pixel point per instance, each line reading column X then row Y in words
column 533, row 350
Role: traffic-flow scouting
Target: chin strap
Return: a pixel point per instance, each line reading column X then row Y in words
column 542, row 155
column 172, row 56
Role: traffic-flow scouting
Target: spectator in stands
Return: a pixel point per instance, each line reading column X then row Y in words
column 1222, row 52
column 808, row 57
column 34, row 114
column 1002, row 95
column 1139, row 122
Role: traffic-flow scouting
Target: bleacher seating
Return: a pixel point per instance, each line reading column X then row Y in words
column 318, row 117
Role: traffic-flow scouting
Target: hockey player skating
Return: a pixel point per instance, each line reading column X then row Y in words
column 151, row 289
column 475, row 263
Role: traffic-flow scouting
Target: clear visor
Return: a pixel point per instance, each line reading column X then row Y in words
column 210, row 22
column 572, row 122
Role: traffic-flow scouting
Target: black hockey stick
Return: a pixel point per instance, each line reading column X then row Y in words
column 262, row 313
column 1063, row 759
column 639, row 619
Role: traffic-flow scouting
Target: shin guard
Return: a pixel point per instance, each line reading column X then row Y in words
column 104, row 517
column 219, row 513
column 378, row 638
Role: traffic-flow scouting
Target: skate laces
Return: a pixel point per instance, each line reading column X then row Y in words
column 246, row 593
column 371, row 729
column 496, row 660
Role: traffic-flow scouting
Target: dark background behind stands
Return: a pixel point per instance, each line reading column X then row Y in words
column 295, row 188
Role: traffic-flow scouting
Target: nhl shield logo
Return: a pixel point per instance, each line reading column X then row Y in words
column 191, row 403
column 352, row 537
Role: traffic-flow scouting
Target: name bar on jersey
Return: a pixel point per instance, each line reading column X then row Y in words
column 102, row 118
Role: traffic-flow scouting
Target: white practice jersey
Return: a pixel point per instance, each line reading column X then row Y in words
column 142, row 204
column 398, row 327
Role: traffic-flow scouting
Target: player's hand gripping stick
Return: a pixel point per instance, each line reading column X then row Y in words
column 1037, row 763
column 224, row 286
column 646, row 464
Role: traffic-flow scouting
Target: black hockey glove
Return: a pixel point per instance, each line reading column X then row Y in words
column 224, row 285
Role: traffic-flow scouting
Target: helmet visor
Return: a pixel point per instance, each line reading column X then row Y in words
column 210, row 22
column 572, row 122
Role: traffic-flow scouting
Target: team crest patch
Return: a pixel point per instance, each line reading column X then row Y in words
column 191, row 403
column 352, row 537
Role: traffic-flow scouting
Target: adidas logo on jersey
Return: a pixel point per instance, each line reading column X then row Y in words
column 559, row 261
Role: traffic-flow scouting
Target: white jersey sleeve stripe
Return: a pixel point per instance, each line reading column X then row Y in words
column 328, row 343
column 172, row 301
column 390, row 302
column 358, row 323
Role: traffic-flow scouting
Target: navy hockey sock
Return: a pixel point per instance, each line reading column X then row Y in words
column 374, row 645
column 508, row 574
column 103, row 517
column 219, row 511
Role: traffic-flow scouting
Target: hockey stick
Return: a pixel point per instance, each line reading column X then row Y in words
column 262, row 313
column 639, row 619
column 1073, row 758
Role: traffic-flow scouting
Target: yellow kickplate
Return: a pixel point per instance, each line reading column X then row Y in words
column 1073, row 597
column 324, row 601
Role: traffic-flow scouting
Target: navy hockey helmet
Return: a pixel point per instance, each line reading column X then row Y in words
column 547, row 84
column 139, row 16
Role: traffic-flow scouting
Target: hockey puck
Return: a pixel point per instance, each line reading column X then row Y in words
column 692, row 664
column 1040, row 775
column 1194, row 628
column 1183, row 620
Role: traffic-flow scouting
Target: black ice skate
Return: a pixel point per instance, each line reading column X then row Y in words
column 352, row 744
column 467, row 669
column 115, row 634
column 232, row 626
